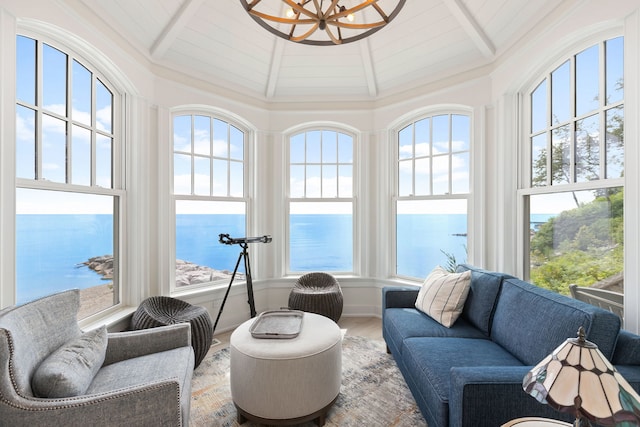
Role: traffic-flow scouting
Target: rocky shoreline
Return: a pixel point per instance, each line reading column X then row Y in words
column 98, row 298
column 187, row 273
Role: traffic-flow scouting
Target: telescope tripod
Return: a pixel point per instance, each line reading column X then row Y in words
column 247, row 268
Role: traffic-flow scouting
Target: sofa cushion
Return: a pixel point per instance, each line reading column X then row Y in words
column 443, row 294
column 530, row 322
column 430, row 361
column 627, row 349
column 483, row 295
column 69, row 370
column 402, row 323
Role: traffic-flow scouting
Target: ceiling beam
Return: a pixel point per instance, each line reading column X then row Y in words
column 274, row 69
column 175, row 26
column 367, row 65
column 472, row 28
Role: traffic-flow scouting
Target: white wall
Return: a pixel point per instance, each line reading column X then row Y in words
column 491, row 93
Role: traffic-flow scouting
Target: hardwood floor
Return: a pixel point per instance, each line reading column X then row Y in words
column 370, row 327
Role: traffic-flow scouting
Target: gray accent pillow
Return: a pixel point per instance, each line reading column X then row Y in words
column 69, row 370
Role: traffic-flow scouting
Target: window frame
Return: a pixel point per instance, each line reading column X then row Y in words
column 525, row 187
column 396, row 197
column 43, row 34
column 321, row 127
column 247, row 198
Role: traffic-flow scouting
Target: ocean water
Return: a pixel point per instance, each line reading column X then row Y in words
column 51, row 248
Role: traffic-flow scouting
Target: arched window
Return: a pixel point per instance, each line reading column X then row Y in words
column 573, row 186
column 69, row 183
column 210, row 195
column 432, row 193
column 321, row 201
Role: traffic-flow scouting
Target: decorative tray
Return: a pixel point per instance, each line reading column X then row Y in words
column 277, row 324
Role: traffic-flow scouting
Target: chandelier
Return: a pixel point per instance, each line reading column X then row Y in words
column 323, row 22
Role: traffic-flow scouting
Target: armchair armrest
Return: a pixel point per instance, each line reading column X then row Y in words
column 491, row 396
column 149, row 404
column 130, row 344
column 399, row 296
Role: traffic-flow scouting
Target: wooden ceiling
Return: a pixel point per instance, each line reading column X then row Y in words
column 217, row 42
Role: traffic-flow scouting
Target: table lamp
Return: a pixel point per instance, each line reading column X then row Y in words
column 576, row 378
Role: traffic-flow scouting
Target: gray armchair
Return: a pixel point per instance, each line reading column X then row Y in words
column 140, row 378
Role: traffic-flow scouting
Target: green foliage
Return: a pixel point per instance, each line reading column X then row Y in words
column 582, row 245
column 452, row 263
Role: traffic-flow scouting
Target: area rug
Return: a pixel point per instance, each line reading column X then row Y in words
column 373, row 392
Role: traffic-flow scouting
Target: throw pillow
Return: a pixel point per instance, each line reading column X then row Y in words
column 69, row 370
column 443, row 294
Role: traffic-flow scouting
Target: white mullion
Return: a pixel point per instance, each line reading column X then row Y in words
column 573, row 121
column 549, row 124
column 430, row 156
column 338, row 165
column 191, row 152
column 321, row 164
column 68, row 121
column 450, row 187
column 228, row 159
column 37, row 128
column 304, row 189
column 602, row 64
column 413, row 159
column 211, row 156
column 94, row 128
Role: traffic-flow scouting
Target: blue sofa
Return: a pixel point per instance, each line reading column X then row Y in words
column 471, row 374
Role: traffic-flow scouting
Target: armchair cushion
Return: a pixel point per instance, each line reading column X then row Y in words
column 69, row 370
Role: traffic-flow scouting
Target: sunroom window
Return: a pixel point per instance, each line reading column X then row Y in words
column 209, row 155
column 574, row 197
column 432, row 193
column 321, row 204
column 68, row 183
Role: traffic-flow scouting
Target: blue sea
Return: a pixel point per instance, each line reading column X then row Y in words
column 51, row 248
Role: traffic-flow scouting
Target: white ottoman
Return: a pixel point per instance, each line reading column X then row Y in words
column 286, row 381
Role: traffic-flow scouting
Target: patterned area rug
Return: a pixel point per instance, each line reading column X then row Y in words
column 373, row 391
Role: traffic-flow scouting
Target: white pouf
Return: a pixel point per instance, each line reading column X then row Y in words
column 286, row 381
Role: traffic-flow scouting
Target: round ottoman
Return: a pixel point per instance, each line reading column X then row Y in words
column 286, row 381
column 161, row 311
column 317, row 292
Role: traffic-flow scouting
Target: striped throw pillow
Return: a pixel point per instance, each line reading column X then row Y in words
column 443, row 294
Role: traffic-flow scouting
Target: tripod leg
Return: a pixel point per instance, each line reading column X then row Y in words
column 226, row 294
column 247, row 269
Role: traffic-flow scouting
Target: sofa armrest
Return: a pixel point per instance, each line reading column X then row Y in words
column 150, row 404
column 130, row 344
column 399, row 296
column 491, row 396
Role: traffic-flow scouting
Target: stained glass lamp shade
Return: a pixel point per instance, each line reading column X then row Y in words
column 576, row 378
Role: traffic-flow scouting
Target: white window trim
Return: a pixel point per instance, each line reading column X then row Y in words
column 248, row 190
column 472, row 222
column 525, row 189
column 113, row 79
column 354, row 199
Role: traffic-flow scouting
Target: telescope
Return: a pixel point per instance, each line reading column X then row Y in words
column 226, row 240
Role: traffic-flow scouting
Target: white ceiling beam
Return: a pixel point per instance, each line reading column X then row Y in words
column 367, row 64
column 471, row 27
column 175, row 26
column 274, row 69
